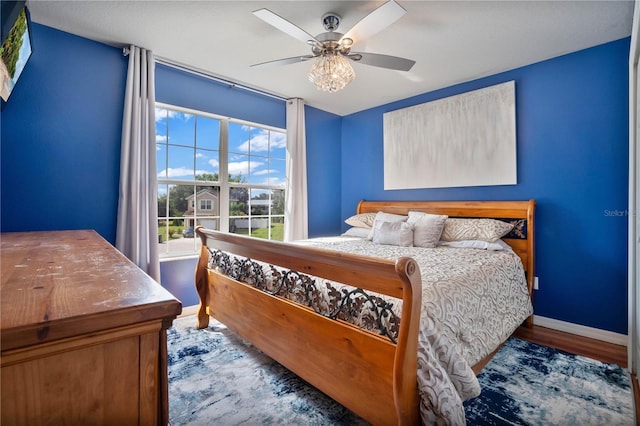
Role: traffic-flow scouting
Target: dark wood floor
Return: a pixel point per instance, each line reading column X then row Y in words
column 592, row 348
column 596, row 349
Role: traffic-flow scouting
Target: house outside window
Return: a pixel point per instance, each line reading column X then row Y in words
column 217, row 172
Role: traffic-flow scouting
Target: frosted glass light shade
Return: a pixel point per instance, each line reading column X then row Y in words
column 331, row 72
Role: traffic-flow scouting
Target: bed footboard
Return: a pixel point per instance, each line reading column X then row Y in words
column 366, row 372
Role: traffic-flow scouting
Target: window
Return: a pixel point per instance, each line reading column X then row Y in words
column 218, row 172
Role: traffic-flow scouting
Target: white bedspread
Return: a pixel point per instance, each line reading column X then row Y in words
column 472, row 301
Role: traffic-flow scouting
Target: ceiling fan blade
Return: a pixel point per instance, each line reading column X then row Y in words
column 283, row 25
column 383, row 61
column 376, row 21
column 285, row 61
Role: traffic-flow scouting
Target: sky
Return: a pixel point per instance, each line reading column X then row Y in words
column 192, row 143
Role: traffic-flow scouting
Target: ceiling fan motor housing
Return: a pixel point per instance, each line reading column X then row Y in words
column 330, row 21
column 330, row 40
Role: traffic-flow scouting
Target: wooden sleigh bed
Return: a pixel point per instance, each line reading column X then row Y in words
column 368, row 373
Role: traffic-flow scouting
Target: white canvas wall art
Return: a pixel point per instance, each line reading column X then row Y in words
column 463, row 140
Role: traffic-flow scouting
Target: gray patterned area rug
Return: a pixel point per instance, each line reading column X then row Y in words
column 215, row 378
column 529, row 384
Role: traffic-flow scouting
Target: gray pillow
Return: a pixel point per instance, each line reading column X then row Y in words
column 427, row 228
column 393, row 233
column 386, row 217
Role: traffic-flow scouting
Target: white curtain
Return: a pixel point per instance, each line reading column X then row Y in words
column 137, row 227
column 295, row 216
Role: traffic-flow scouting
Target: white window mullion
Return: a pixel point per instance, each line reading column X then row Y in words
column 224, row 175
column 195, row 188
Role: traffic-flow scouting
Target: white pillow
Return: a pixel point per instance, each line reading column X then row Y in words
column 498, row 245
column 357, row 232
column 475, row 229
column 386, row 217
column 393, row 233
column 427, row 228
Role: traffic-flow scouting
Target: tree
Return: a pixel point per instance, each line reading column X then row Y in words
column 277, row 197
column 238, row 197
column 10, row 51
column 208, row 177
column 162, row 205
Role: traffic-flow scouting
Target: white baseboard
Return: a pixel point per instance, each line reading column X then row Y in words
column 189, row 310
column 581, row 330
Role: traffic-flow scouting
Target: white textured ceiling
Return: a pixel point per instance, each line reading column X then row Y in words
column 451, row 41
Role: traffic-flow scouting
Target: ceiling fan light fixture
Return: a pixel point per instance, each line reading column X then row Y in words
column 331, row 72
column 346, row 42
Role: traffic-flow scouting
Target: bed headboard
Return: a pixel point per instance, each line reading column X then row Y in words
column 522, row 240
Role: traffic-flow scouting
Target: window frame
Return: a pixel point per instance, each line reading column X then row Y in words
column 206, row 205
column 223, row 182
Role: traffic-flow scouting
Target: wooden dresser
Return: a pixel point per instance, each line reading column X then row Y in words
column 83, row 333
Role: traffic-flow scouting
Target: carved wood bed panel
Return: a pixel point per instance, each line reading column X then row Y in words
column 366, row 372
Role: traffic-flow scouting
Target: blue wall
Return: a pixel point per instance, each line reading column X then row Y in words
column 572, row 148
column 189, row 90
column 324, row 179
column 178, row 276
column 60, row 157
column 61, row 131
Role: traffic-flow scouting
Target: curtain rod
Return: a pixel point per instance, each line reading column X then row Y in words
column 205, row 74
column 210, row 76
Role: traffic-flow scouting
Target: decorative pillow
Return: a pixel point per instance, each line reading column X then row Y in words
column 386, row 217
column 427, row 228
column 474, row 229
column 362, row 220
column 499, row 245
column 357, row 232
column 393, row 233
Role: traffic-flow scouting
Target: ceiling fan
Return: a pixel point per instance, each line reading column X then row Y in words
column 331, row 71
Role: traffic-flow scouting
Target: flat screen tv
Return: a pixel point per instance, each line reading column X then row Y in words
column 16, row 45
